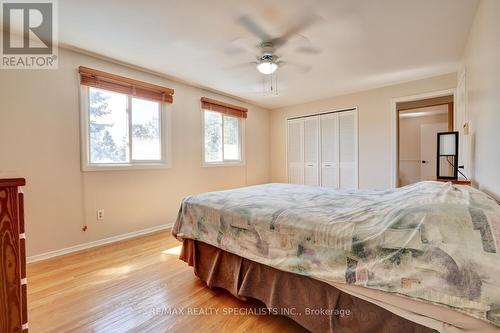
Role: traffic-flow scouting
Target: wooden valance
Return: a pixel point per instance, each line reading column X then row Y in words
column 99, row 79
column 222, row 107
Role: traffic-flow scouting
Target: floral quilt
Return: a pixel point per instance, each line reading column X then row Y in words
column 431, row 241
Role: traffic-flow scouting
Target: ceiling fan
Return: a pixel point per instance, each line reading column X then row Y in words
column 267, row 61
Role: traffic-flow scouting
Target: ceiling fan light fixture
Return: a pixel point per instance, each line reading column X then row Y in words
column 267, row 67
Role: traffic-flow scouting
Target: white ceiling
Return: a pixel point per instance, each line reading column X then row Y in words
column 365, row 43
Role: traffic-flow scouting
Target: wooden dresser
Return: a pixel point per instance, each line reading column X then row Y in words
column 13, row 300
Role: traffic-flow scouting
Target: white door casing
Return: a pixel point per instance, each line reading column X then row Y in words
column 394, row 114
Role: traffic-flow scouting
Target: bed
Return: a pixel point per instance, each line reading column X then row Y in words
column 427, row 252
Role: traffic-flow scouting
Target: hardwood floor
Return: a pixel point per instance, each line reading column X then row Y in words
column 131, row 286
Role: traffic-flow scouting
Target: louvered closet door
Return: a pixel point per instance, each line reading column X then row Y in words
column 295, row 154
column 329, row 150
column 311, row 151
column 348, row 174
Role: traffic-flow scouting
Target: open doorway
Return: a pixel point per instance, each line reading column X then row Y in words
column 418, row 123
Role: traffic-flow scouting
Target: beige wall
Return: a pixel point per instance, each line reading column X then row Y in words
column 482, row 66
column 375, row 131
column 39, row 140
column 409, row 142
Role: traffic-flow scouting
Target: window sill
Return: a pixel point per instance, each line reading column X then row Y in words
column 223, row 164
column 124, row 167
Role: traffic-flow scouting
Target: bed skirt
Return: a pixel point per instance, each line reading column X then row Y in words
column 315, row 305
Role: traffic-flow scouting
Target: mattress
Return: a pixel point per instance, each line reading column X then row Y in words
column 430, row 242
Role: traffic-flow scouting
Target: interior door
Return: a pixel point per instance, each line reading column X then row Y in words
column 428, row 149
column 348, row 150
column 329, row 150
column 295, row 151
column 311, row 151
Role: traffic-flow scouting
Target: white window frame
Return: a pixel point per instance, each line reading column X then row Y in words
column 165, row 140
column 223, row 163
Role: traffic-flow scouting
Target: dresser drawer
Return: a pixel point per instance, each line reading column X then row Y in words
column 13, row 302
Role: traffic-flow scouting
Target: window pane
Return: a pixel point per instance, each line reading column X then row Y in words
column 146, row 130
column 213, row 136
column 232, row 138
column 108, row 127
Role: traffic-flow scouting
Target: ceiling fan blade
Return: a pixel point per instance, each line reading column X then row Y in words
column 298, row 67
column 308, row 49
column 250, row 24
column 241, row 45
column 244, row 70
column 244, row 65
column 234, row 51
column 303, row 23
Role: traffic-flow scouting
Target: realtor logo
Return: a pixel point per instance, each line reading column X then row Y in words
column 28, row 35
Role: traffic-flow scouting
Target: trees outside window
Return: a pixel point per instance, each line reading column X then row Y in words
column 222, row 138
column 122, row 130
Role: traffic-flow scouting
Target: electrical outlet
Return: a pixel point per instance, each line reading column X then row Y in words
column 100, row 214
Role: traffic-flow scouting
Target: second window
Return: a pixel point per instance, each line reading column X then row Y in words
column 222, row 138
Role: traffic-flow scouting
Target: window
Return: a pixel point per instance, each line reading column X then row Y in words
column 223, row 136
column 122, row 131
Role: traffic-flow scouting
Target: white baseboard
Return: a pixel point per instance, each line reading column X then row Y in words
column 79, row 247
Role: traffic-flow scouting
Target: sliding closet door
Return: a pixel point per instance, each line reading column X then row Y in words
column 311, row 151
column 323, row 150
column 329, row 150
column 295, row 153
column 348, row 150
